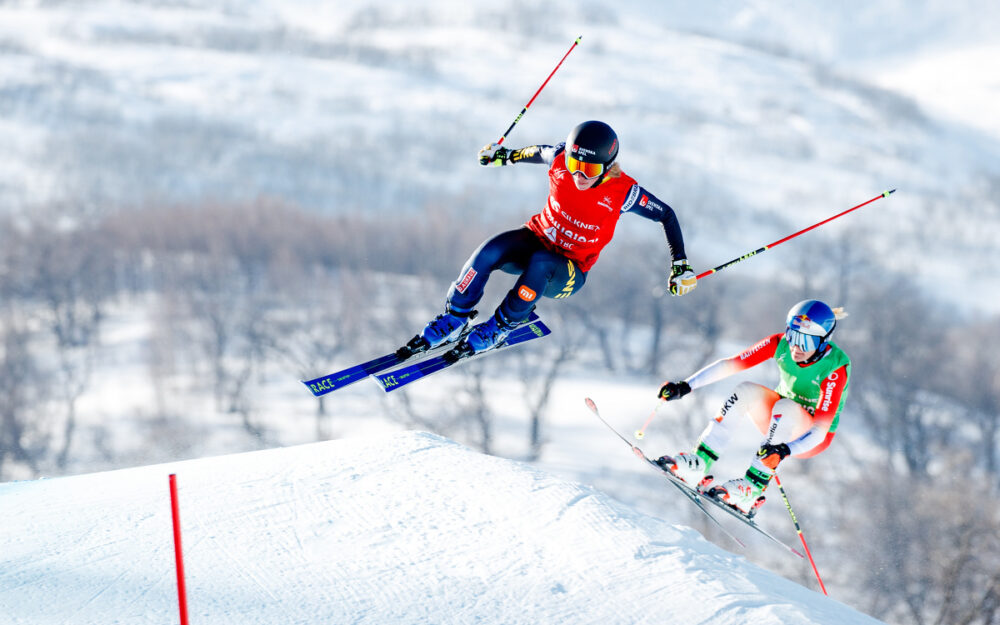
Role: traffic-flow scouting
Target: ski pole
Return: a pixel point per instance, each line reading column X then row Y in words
column 525, row 109
column 791, row 236
column 799, row 530
column 641, row 433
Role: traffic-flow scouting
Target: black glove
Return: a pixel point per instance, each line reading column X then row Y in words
column 674, row 390
column 770, row 455
column 494, row 155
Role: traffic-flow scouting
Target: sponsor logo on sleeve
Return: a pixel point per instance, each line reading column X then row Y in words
column 523, row 153
column 633, row 193
column 756, row 348
column 829, row 387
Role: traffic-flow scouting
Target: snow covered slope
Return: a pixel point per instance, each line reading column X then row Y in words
column 408, row 529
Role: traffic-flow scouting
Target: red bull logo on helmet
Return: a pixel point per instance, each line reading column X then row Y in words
column 805, row 325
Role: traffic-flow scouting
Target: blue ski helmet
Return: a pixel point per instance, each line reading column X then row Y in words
column 591, row 148
column 809, row 326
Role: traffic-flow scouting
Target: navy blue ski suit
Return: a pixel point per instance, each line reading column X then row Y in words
column 556, row 248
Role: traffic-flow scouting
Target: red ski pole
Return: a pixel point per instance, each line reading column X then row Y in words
column 791, row 236
column 525, row 109
column 801, row 535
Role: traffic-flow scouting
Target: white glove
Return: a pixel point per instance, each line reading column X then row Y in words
column 682, row 279
column 494, row 155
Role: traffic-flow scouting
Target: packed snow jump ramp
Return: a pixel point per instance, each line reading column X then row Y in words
column 411, row 528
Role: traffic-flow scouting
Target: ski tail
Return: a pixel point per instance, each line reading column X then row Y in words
column 684, row 488
column 397, row 378
column 699, row 499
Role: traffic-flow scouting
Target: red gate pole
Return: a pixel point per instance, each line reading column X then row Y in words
column 178, row 555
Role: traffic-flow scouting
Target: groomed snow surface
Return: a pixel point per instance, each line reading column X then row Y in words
column 408, row 528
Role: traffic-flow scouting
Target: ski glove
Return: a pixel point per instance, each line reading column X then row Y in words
column 674, row 390
column 494, row 155
column 682, row 279
column 770, row 455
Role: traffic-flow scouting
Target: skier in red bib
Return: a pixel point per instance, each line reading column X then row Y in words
column 554, row 250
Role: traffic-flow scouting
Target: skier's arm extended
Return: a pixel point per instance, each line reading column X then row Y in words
column 820, row 435
column 495, row 155
column 758, row 353
column 645, row 204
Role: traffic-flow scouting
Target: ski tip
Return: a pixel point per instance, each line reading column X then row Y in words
column 590, row 404
column 313, row 387
column 886, row 193
column 579, row 38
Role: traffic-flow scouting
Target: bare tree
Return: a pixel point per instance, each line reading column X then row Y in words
column 71, row 277
column 22, row 437
column 924, row 551
column 229, row 315
column 895, row 363
column 540, row 368
column 323, row 327
column 971, row 379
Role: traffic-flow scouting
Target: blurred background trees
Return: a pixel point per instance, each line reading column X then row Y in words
column 234, row 293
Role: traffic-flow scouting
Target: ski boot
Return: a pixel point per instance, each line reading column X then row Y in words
column 741, row 494
column 688, row 468
column 448, row 327
column 487, row 335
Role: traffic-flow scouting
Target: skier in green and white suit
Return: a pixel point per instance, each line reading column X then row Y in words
column 798, row 418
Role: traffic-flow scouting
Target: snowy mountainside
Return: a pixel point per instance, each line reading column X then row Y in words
column 410, row 528
column 751, row 118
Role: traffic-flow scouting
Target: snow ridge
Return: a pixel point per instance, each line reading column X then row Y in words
column 412, row 528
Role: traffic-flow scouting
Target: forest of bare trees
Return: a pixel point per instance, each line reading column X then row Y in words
column 237, row 292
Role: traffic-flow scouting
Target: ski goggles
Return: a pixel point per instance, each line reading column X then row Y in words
column 589, row 170
column 805, row 342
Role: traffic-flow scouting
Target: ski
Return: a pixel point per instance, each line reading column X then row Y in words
column 339, row 379
column 345, row 377
column 688, row 492
column 696, row 497
column 398, row 378
column 736, row 514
